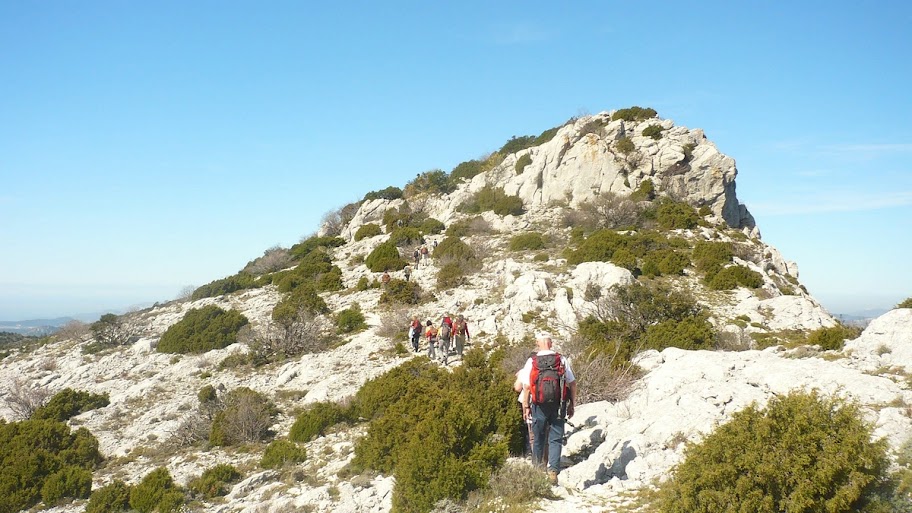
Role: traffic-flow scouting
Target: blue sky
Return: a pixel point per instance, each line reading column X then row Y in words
column 145, row 147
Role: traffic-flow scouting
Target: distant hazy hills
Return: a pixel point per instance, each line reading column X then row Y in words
column 34, row 327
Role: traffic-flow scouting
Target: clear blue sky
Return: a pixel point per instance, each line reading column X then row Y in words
column 147, row 146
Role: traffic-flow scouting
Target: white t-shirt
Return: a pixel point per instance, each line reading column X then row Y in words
column 526, row 371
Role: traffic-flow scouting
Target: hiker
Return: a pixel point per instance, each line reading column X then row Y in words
column 415, row 332
column 446, row 330
column 424, row 253
column 407, row 271
column 417, row 257
column 550, row 394
column 431, row 335
column 460, row 334
column 385, row 279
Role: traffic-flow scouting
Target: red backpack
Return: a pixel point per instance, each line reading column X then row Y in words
column 546, row 381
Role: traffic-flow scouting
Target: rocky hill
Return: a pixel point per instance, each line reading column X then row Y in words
column 556, row 227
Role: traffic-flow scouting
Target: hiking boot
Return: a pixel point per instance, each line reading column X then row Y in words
column 552, row 477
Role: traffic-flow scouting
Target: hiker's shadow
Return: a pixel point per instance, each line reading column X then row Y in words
column 617, row 469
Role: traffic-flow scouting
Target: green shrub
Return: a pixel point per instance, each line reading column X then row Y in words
column 667, row 262
column 687, row 150
column 365, row 284
column 239, row 281
column 476, row 225
column 246, row 416
column 545, row 136
column 368, row 230
column 68, row 482
column 213, row 481
column 622, row 257
column 351, row 319
column 467, row 170
column 907, row 303
column 432, row 182
column 736, row 276
column 450, row 275
column 541, row 257
column 704, row 211
column 303, row 298
column 282, row 452
column 527, row 242
column 522, row 162
column 31, row 451
column 453, row 249
column 644, row 192
column 305, row 247
column 801, row 453
column 431, row 226
column 68, row 403
column 384, row 258
column 832, row 338
column 493, row 199
column 401, row 292
column 625, row 145
column 516, row 144
column 148, row 495
column 654, row 131
column 390, row 193
column 441, row 434
column 316, row 419
column 691, row 333
column 112, row 498
column 711, row 257
column 202, row 329
column 110, row 330
column 676, row 215
column 634, row 114
column 406, row 236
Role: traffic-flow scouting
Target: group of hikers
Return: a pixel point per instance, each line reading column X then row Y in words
column 450, row 337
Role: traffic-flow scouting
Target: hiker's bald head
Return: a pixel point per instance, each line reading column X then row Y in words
column 543, row 342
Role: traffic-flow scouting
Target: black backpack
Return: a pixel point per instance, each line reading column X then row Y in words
column 546, row 381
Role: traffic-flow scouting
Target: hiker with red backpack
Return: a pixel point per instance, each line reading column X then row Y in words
column 460, row 334
column 550, row 399
column 446, row 331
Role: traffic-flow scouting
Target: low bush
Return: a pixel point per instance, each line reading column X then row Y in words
column 68, row 403
column 67, row 483
column 384, row 257
column 453, row 249
column 282, row 452
column 202, row 329
column 245, row 416
column 351, row 319
column 431, row 182
column 301, row 299
column 493, row 199
column 316, row 419
column 802, row 452
column 644, row 192
column 516, row 144
column 450, row 275
column 222, row 286
column 111, row 330
column 694, row 332
column 654, row 131
column 687, row 150
column 401, row 292
column 634, row 113
column 390, row 193
column 112, row 498
column 907, row 303
column 832, row 338
column 367, row 230
column 527, row 242
column 673, row 215
column 736, row 276
column 467, row 170
column 274, row 259
column 305, row 247
column 522, row 162
column 33, row 452
column 625, row 145
column 710, row 257
column 156, row 492
column 470, row 226
column 213, row 482
column 431, row 226
column 406, row 236
column 516, row 484
column 664, row 262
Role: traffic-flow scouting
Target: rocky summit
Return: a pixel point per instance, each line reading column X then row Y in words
column 558, row 234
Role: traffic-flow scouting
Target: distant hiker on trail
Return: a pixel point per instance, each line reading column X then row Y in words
column 417, row 257
column 385, row 279
column 446, row 330
column 551, row 393
column 435, row 243
column 415, row 332
column 460, row 334
column 424, row 253
column 407, row 271
column 431, row 335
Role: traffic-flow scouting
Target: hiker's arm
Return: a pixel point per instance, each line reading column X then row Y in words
column 572, row 400
column 527, row 410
